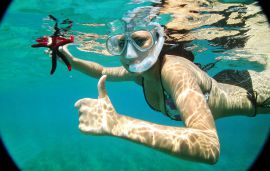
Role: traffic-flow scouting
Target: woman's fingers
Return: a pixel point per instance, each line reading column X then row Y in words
column 64, row 50
column 84, row 101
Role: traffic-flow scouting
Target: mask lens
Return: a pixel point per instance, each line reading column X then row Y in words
column 116, row 44
column 143, row 39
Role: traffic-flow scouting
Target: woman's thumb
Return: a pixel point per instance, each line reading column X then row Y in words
column 101, row 87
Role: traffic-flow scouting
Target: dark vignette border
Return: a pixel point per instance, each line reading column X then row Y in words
column 262, row 161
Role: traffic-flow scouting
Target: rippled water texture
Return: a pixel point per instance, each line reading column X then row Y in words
column 38, row 122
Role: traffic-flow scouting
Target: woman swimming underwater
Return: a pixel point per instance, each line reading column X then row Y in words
column 174, row 86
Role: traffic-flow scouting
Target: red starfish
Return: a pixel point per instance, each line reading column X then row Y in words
column 56, row 41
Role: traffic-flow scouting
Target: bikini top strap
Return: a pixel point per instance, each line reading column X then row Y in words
column 146, row 97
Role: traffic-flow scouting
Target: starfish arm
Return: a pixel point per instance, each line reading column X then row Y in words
column 38, row 45
column 54, row 61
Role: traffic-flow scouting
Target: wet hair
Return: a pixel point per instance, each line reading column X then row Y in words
column 178, row 50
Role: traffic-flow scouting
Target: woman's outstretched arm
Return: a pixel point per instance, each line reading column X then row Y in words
column 186, row 143
column 96, row 70
column 198, row 141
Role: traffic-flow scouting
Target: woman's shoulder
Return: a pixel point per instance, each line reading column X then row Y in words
column 175, row 59
column 178, row 63
column 176, row 69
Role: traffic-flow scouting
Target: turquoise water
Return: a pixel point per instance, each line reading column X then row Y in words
column 39, row 124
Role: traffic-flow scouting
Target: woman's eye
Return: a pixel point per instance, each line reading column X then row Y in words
column 140, row 41
column 121, row 43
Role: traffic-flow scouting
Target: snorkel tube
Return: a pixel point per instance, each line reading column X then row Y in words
column 54, row 41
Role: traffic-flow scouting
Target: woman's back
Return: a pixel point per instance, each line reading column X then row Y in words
column 230, row 91
column 246, row 86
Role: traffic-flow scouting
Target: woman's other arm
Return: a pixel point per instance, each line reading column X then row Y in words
column 198, row 141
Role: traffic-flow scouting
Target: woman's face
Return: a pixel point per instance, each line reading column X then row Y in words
column 133, row 53
column 139, row 49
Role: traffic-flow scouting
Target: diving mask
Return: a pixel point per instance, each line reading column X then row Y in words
column 142, row 40
column 138, row 49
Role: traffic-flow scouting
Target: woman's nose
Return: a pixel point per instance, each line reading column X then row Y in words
column 131, row 52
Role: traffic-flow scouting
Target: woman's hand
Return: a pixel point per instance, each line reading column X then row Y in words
column 97, row 116
column 64, row 50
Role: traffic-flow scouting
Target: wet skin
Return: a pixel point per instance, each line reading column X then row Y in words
column 185, row 82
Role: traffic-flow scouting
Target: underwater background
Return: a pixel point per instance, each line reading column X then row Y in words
column 38, row 121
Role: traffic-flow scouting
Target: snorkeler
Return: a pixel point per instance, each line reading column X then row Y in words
column 53, row 42
column 174, row 86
